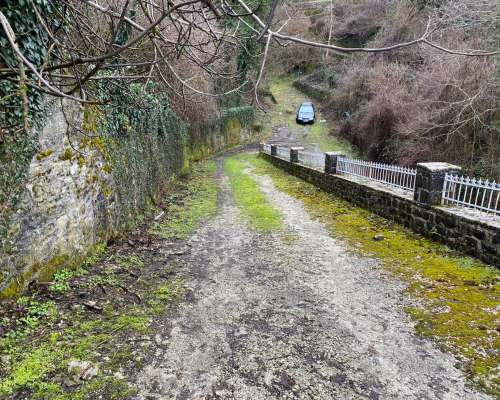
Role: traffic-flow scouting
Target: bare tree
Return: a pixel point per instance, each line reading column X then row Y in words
column 140, row 40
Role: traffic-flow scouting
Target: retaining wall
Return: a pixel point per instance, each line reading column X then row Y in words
column 81, row 190
column 477, row 238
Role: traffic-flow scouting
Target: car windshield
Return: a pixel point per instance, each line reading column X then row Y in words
column 306, row 110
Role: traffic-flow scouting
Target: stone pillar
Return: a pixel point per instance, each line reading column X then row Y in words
column 294, row 154
column 430, row 180
column 331, row 161
column 274, row 150
column 261, row 147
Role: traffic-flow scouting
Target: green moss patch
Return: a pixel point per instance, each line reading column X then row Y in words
column 66, row 155
column 253, row 204
column 194, row 200
column 457, row 296
column 111, row 309
column 44, row 154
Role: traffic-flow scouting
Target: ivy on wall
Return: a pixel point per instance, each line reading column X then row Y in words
column 144, row 143
column 17, row 147
column 201, row 139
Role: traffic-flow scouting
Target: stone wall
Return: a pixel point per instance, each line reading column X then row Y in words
column 232, row 128
column 82, row 189
column 478, row 238
column 63, row 211
column 314, row 91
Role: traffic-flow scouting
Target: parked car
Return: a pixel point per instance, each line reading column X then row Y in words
column 306, row 113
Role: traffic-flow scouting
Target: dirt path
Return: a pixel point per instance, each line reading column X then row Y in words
column 293, row 316
column 285, row 131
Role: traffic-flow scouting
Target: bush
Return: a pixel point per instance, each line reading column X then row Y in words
column 419, row 104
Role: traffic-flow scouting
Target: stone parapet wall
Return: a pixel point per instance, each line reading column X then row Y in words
column 472, row 236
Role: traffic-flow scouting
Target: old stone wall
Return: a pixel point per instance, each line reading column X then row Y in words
column 232, row 128
column 472, row 236
column 63, row 211
column 82, row 189
column 314, row 91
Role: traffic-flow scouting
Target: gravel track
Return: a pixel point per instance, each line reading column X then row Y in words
column 290, row 316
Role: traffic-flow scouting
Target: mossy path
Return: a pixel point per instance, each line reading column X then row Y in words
column 85, row 334
column 281, row 308
column 255, row 285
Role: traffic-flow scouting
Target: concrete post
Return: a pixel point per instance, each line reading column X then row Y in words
column 430, row 180
column 331, row 161
column 274, row 150
column 294, row 154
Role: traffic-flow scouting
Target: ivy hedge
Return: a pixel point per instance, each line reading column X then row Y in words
column 144, row 144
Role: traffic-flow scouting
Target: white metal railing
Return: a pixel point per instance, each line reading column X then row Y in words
column 392, row 175
column 315, row 160
column 267, row 148
column 471, row 192
column 283, row 152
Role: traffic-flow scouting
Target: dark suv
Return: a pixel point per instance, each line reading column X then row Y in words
column 306, row 113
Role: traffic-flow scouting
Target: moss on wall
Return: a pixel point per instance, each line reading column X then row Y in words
column 223, row 132
column 132, row 145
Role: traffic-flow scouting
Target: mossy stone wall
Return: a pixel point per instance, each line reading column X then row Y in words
column 316, row 92
column 233, row 127
column 83, row 186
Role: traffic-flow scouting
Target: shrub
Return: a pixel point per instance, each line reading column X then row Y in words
column 419, row 104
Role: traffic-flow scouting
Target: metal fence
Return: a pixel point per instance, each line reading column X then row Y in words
column 472, row 193
column 315, row 160
column 392, row 175
column 283, row 152
column 458, row 190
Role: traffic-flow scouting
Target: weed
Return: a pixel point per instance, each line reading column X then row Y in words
column 248, row 196
column 61, row 279
column 128, row 261
column 165, row 294
column 43, row 336
column 184, row 217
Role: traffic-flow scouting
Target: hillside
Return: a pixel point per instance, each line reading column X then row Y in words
column 413, row 104
column 233, row 199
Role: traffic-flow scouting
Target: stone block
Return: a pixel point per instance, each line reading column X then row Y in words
column 331, row 162
column 430, row 180
column 294, row 154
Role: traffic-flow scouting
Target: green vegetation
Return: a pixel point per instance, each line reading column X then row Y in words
column 18, row 147
column 40, row 344
column 66, row 155
column 252, row 202
column 144, row 143
column 457, row 296
column 288, row 100
column 44, row 154
column 61, row 279
column 199, row 201
column 99, row 313
column 228, row 126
